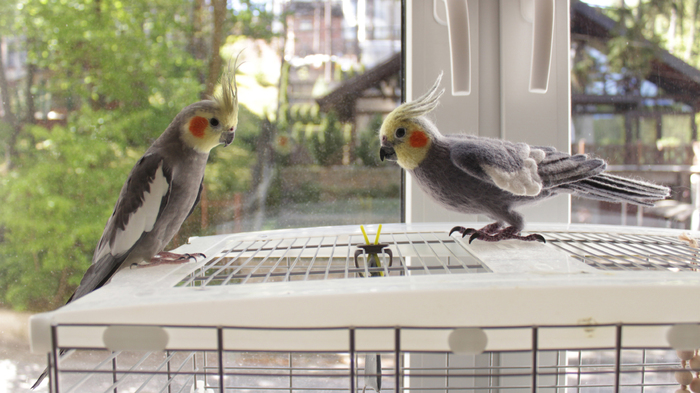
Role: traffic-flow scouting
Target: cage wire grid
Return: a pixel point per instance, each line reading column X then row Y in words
column 326, row 257
column 619, row 251
column 613, row 368
column 271, row 258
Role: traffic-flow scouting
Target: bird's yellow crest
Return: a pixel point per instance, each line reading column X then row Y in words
column 214, row 121
column 403, row 131
column 227, row 96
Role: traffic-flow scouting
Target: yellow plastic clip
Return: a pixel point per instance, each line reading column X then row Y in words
column 379, row 230
column 364, row 233
column 376, row 241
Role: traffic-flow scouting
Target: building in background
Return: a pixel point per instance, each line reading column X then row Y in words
column 641, row 120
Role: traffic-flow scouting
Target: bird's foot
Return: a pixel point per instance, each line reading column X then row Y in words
column 169, row 258
column 488, row 229
column 505, row 234
column 492, row 233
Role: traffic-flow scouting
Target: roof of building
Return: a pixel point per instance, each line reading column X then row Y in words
column 673, row 75
column 676, row 77
column 342, row 98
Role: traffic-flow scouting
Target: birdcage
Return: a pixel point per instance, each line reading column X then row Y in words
column 315, row 310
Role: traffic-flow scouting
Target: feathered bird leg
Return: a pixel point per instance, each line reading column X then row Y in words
column 488, row 229
column 506, row 233
column 165, row 257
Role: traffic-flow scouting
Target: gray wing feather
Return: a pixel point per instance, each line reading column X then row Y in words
column 519, row 168
column 510, row 166
column 98, row 274
column 472, row 154
column 105, row 263
column 559, row 168
column 196, row 201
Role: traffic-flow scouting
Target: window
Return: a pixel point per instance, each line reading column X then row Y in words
column 633, row 79
column 87, row 87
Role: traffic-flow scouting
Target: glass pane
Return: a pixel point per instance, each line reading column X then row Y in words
column 316, row 162
column 634, row 77
column 88, row 86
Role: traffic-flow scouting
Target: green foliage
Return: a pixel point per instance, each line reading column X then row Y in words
column 327, row 144
column 229, row 169
column 306, row 193
column 56, row 200
column 283, row 121
column 305, row 113
column 122, row 70
column 253, row 20
column 368, row 149
column 110, row 53
column 609, row 130
column 53, row 206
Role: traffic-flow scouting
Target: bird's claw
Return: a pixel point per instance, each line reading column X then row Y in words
column 536, row 237
column 171, row 258
column 462, row 230
column 187, row 257
column 475, row 235
column 490, row 233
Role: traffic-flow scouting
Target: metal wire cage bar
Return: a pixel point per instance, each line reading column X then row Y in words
column 627, row 252
column 322, row 257
column 231, row 366
column 589, row 311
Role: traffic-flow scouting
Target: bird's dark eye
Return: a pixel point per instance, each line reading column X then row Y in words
column 214, row 122
column 400, row 132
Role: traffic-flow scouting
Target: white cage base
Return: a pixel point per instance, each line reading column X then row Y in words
column 293, row 310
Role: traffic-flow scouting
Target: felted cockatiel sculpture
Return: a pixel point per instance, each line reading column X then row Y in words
column 478, row 175
column 162, row 189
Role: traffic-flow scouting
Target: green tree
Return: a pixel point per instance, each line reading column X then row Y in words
column 55, row 203
column 368, row 149
column 121, row 70
column 327, row 144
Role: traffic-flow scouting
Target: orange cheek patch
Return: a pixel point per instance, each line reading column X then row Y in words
column 418, row 139
column 197, row 126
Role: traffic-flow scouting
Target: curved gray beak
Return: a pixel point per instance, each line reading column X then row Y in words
column 227, row 137
column 388, row 153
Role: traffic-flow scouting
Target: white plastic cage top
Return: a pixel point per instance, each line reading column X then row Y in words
column 302, row 291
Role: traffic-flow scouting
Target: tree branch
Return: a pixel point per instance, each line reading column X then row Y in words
column 9, row 114
column 216, row 40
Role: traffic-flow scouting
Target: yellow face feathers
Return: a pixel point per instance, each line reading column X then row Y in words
column 211, row 122
column 202, row 131
column 404, row 135
column 410, row 154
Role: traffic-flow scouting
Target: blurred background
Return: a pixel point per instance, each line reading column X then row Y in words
column 87, row 85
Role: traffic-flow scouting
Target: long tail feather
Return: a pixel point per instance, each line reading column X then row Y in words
column 558, row 169
column 639, row 185
column 63, row 353
column 40, row 379
column 613, row 188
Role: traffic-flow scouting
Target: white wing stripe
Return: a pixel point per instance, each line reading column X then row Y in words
column 144, row 218
column 524, row 181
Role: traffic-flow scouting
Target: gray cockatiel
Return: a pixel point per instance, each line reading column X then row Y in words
column 162, row 189
column 477, row 175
